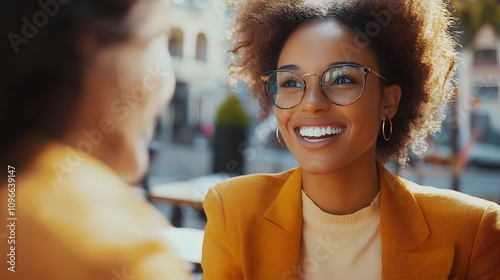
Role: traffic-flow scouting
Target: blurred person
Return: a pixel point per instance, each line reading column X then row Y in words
column 83, row 83
column 352, row 85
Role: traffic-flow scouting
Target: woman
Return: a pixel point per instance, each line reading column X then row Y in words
column 85, row 84
column 352, row 84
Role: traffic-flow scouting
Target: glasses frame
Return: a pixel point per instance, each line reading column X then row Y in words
column 365, row 70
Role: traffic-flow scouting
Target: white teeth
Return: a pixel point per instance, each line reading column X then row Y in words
column 319, row 131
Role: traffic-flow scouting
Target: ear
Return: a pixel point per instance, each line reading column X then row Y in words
column 390, row 101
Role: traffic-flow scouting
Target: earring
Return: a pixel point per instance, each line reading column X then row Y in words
column 279, row 138
column 390, row 128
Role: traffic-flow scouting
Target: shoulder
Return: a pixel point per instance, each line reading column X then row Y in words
column 250, row 192
column 451, row 203
column 449, row 197
column 87, row 218
column 469, row 224
column 87, row 211
column 254, row 183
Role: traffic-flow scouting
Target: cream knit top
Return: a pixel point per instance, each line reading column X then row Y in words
column 340, row 246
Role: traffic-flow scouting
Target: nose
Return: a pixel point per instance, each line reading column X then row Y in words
column 314, row 100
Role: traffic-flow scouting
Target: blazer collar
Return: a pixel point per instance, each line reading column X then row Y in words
column 404, row 230
column 401, row 219
column 286, row 210
column 271, row 242
column 276, row 234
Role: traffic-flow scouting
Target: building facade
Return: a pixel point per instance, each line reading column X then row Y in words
column 198, row 46
column 478, row 100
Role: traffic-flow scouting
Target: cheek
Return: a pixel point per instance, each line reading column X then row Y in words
column 129, row 70
column 167, row 91
column 283, row 117
column 157, row 101
column 157, row 80
column 365, row 114
column 162, row 90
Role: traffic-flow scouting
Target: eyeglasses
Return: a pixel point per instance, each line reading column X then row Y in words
column 342, row 84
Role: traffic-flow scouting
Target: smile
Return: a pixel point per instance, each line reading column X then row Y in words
column 319, row 133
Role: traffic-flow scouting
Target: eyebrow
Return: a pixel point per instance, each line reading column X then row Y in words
column 296, row 67
column 343, row 62
column 289, row 67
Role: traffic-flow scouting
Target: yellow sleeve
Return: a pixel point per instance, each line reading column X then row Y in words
column 219, row 258
column 485, row 258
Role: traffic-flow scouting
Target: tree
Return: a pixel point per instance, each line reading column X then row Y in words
column 231, row 124
column 473, row 14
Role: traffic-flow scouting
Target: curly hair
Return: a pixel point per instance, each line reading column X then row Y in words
column 411, row 39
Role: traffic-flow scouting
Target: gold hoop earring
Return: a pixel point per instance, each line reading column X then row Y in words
column 390, row 128
column 279, row 139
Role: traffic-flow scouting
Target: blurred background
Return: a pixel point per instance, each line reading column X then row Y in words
column 464, row 156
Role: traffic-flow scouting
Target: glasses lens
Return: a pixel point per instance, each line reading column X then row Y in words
column 343, row 84
column 285, row 88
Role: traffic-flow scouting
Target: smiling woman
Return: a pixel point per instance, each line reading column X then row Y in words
column 352, row 84
column 79, row 102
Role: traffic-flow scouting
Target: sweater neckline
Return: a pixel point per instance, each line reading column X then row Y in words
column 318, row 220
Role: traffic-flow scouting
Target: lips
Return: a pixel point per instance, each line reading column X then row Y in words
column 319, row 133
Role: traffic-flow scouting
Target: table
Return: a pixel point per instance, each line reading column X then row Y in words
column 186, row 193
column 186, row 243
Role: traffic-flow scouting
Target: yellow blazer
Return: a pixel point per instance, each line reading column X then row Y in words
column 255, row 223
column 77, row 220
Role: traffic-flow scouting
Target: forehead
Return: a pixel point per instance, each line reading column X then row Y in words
column 317, row 44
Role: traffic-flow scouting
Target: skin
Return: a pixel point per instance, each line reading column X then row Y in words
column 126, row 87
column 340, row 173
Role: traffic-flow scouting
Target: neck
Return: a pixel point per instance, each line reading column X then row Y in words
column 346, row 190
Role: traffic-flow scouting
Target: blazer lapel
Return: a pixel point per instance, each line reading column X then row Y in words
column 403, row 230
column 271, row 242
column 431, row 264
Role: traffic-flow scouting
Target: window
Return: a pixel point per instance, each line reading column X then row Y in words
column 201, row 47
column 486, row 93
column 176, row 42
column 488, row 57
column 481, row 126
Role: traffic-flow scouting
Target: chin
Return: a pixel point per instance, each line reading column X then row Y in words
column 136, row 168
column 137, row 178
column 323, row 165
column 316, row 168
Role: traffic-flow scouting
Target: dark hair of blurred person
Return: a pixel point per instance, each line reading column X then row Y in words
column 83, row 83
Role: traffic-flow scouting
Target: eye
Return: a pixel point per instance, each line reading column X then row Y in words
column 342, row 76
column 340, row 80
column 290, row 82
